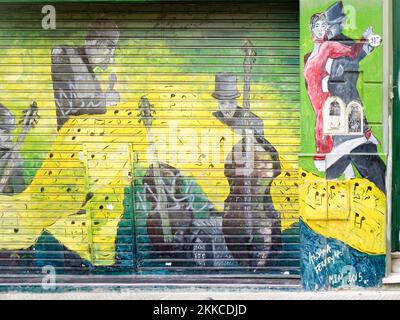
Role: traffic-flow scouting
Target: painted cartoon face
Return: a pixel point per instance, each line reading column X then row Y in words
column 319, row 29
column 100, row 53
column 227, row 107
column 335, row 29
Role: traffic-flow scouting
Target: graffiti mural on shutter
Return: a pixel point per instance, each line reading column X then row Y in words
column 162, row 138
column 342, row 188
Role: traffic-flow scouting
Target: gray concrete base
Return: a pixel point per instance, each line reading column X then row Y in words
column 185, row 294
column 392, row 282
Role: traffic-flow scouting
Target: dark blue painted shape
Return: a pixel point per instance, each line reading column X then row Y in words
column 328, row 263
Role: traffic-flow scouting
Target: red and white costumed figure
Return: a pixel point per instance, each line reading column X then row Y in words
column 316, row 73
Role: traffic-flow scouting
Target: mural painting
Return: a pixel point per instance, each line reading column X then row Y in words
column 136, row 155
column 342, row 201
column 11, row 162
column 77, row 90
column 151, row 172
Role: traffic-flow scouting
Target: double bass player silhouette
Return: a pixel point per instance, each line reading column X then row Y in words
column 251, row 225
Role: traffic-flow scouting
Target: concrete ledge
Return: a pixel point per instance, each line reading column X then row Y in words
column 393, row 278
column 241, row 295
column 395, row 257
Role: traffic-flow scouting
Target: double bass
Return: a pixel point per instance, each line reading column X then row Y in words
column 251, row 225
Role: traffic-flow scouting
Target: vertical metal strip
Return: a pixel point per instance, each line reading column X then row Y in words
column 388, row 113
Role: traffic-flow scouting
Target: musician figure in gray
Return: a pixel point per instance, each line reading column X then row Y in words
column 14, row 181
column 76, row 87
column 251, row 225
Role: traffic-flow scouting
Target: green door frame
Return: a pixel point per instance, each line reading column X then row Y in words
column 396, row 130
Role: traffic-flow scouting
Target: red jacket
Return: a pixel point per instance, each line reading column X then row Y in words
column 314, row 73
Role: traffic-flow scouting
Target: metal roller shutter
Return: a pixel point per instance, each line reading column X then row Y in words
column 101, row 184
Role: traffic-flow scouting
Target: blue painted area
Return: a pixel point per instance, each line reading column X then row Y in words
column 125, row 255
column 48, row 251
column 328, row 263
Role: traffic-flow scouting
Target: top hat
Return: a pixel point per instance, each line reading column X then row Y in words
column 7, row 119
column 335, row 13
column 225, row 87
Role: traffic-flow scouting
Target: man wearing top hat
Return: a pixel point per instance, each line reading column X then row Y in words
column 15, row 182
column 344, row 70
column 359, row 150
column 76, row 87
column 251, row 230
column 229, row 112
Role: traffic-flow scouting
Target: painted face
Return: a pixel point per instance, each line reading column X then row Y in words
column 227, row 107
column 100, row 53
column 319, row 29
column 335, row 29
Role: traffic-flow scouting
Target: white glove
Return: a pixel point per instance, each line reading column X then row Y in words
column 374, row 40
column 368, row 32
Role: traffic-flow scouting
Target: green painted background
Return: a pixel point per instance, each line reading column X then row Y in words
column 367, row 13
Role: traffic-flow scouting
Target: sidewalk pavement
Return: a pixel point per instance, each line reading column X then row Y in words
column 199, row 294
